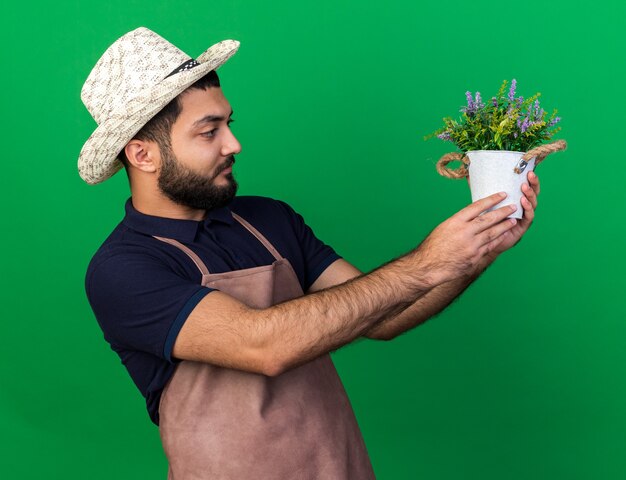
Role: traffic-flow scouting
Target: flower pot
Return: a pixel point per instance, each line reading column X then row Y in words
column 493, row 171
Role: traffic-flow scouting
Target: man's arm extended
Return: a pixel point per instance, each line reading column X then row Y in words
column 437, row 299
column 223, row 331
column 429, row 305
column 425, row 307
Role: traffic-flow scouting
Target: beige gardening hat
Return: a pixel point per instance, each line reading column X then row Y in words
column 134, row 79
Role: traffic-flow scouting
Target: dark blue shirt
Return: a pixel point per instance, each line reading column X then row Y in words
column 142, row 290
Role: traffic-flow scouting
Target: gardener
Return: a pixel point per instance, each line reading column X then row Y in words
column 224, row 309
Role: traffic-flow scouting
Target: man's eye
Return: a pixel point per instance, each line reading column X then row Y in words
column 210, row 133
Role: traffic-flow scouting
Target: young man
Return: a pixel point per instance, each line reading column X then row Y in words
column 224, row 309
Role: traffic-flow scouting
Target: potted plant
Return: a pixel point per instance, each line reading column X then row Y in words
column 499, row 141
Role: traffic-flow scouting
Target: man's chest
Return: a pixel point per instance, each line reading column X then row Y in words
column 228, row 249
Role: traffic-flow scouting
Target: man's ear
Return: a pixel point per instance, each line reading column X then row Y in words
column 142, row 155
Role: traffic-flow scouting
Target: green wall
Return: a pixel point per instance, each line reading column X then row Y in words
column 523, row 377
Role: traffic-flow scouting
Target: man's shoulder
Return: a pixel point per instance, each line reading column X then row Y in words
column 118, row 248
column 118, row 239
column 125, row 245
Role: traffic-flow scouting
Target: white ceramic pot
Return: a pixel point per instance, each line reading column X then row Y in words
column 493, row 171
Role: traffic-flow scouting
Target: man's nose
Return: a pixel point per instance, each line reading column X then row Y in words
column 231, row 145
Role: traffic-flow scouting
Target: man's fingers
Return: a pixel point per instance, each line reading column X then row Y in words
column 474, row 209
column 529, row 194
column 491, row 246
column 494, row 233
column 533, row 179
column 529, row 211
column 487, row 220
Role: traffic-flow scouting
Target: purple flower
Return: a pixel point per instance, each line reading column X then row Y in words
column 495, row 101
column 471, row 105
column 554, row 121
column 479, row 101
column 525, row 125
column 536, row 109
column 445, row 136
column 512, row 90
column 520, row 100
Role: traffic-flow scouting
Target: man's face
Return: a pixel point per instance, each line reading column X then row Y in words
column 196, row 171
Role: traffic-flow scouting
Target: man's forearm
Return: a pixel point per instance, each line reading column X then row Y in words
column 225, row 331
column 427, row 306
column 306, row 327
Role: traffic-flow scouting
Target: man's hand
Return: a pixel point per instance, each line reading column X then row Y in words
column 529, row 203
column 460, row 246
column 442, row 295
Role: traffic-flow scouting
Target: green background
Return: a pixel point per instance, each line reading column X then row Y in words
column 523, row 377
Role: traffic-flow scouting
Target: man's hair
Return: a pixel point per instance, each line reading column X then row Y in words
column 159, row 127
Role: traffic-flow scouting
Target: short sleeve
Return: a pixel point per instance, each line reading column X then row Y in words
column 139, row 302
column 317, row 255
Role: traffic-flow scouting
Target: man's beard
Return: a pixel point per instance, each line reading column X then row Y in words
column 186, row 187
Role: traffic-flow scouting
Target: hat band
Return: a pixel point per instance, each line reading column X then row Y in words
column 188, row 65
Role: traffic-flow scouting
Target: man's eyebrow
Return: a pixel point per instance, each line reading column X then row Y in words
column 209, row 119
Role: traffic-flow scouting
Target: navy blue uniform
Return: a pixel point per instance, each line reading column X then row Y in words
column 142, row 290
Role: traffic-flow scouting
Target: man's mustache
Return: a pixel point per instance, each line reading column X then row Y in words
column 228, row 163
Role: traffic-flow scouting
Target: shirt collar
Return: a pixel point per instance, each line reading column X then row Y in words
column 183, row 230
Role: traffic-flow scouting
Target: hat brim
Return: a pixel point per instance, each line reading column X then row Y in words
column 98, row 158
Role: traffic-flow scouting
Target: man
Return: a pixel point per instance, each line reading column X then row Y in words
column 224, row 309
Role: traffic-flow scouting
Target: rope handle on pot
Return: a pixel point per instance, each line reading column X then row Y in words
column 445, row 171
column 540, row 152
